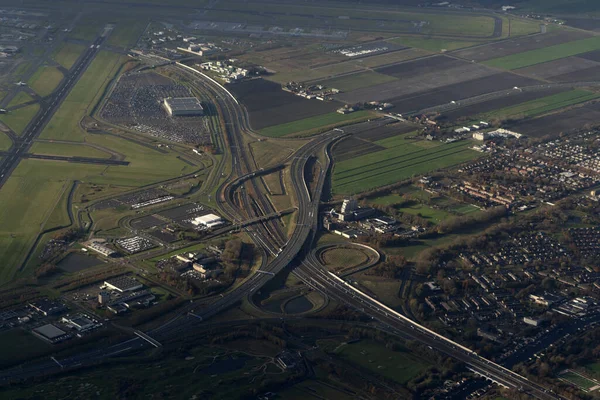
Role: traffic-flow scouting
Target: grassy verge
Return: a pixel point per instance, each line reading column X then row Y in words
column 68, row 150
column 18, row 119
column 5, row 142
column 68, row 53
column 45, row 80
column 64, row 125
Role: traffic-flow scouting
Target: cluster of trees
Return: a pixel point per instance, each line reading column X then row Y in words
column 45, row 270
column 85, row 279
column 391, row 268
column 237, row 257
column 256, row 332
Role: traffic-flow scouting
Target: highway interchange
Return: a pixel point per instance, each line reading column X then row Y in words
column 242, row 197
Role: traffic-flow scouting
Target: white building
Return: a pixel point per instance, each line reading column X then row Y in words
column 208, row 221
column 348, row 206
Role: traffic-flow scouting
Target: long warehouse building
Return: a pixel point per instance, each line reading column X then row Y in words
column 183, row 106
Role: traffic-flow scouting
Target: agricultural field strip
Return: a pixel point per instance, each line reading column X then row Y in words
column 392, row 164
column 311, row 123
column 542, row 55
column 409, row 84
column 557, row 67
column 542, row 105
column 519, row 45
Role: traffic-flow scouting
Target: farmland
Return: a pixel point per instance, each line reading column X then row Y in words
column 18, row 119
column 543, row 105
column 401, row 159
column 483, row 107
column 356, row 81
column 65, row 123
column 322, row 121
column 545, row 54
column 434, row 80
column 268, row 105
column 399, row 366
column 564, row 121
column 45, row 80
column 520, row 44
column 68, row 53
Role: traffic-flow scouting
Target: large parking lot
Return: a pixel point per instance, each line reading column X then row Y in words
column 136, row 102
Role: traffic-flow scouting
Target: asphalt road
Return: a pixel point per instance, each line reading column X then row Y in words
column 310, row 271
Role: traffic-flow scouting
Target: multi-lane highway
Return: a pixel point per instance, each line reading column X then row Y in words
column 252, row 203
column 47, row 109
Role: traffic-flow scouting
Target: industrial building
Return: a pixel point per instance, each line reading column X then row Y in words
column 183, row 106
column 80, row 322
column 208, row 221
column 123, row 284
column 47, row 307
column 101, row 248
column 51, row 333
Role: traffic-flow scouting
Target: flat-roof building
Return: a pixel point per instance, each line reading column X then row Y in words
column 123, row 284
column 180, row 106
column 51, row 333
column 48, row 307
column 208, row 220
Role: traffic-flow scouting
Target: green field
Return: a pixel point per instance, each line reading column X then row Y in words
column 357, row 81
column 402, row 159
column 396, row 365
column 578, row 380
column 45, row 80
column 63, row 149
column 18, row 119
column 342, row 258
column 542, row 105
column 20, row 98
column 5, row 142
column 42, row 183
column 126, row 33
column 64, row 125
column 433, row 214
column 550, row 53
column 68, row 53
column 519, row 27
column 45, row 183
column 307, row 124
column 88, row 28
